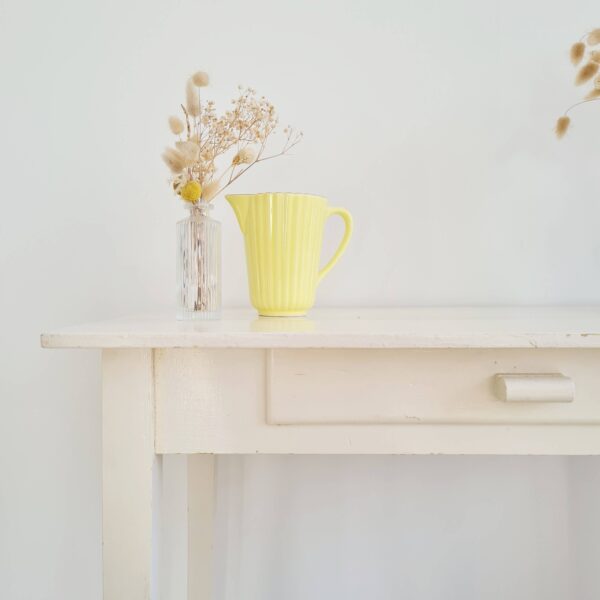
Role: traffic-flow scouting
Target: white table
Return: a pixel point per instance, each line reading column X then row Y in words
column 378, row 381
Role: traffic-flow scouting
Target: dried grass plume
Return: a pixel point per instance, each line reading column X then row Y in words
column 593, row 94
column 190, row 151
column 174, row 160
column 245, row 156
column 192, row 100
column 176, row 125
column 200, row 79
column 562, row 126
column 210, row 190
column 577, row 52
column 593, row 37
column 586, row 73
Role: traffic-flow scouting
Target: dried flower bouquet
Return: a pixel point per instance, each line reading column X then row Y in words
column 237, row 138
column 588, row 72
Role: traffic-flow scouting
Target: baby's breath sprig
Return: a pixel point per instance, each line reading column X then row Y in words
column 242, row 132
column 586, row 73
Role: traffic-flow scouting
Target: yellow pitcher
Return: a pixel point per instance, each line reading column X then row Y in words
column 283, row 234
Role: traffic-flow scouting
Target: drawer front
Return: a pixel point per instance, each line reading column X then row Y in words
column 438, row 386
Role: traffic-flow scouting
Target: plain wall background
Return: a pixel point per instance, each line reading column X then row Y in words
column 432, row 122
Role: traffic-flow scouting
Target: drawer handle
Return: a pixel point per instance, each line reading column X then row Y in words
column 534, row 387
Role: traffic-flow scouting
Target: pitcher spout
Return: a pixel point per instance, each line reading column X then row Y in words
column 240, row 204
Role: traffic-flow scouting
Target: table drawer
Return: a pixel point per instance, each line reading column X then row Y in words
column 445, row 386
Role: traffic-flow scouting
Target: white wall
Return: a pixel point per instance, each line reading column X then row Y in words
column 431, row 121
column 383, row 528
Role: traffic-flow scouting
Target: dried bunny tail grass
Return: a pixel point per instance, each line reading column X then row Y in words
column 210, row 190
column 597, row 83
column 200, row 79
column 174, row 160
column 562, row 126
column 586, row 72
column 577, row 52
column 176, row 125
column 593, row 94
column 192, row 101
column 595, row 56
column 245, row 156
column 593, row 37
column 190, row 151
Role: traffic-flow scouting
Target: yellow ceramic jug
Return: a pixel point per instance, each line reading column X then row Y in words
column 283, row 234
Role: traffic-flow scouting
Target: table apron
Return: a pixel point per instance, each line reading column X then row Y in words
column 374, row 401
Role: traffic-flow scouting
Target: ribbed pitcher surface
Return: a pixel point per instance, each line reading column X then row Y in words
column 283, row 235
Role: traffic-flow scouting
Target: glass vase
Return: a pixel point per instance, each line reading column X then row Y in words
column 199, row 265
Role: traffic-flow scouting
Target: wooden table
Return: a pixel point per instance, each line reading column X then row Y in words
column 374, row 381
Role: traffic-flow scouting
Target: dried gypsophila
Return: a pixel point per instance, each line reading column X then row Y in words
column 244, row 130
column 584, row 75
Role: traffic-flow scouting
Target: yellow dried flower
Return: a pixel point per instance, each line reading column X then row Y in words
column 176, row 125
column 191, row 191
column 586, row 72
column 200, row 79
column 577, row 52
column 209, row 191
column 192, row 101
column 174, row 160
column 593, row 37
column 562, row 125
column 189, row 150
column 245, row 156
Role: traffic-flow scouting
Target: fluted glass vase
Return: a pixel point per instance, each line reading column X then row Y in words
column 199, row 265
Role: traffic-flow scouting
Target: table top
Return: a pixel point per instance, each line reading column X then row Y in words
column 425, row 327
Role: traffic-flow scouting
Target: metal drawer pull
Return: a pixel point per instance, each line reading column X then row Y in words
column 534, row 387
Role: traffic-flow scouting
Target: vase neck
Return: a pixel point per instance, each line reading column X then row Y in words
column 200, row 210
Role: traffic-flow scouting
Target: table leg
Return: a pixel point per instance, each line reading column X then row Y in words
column 200, row 496
column 128, row 473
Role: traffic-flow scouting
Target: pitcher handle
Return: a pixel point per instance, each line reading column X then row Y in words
column 342, row 212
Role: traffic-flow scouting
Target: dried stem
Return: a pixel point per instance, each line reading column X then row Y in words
column 579, row 104
column 187, row 121
column 260, row 159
